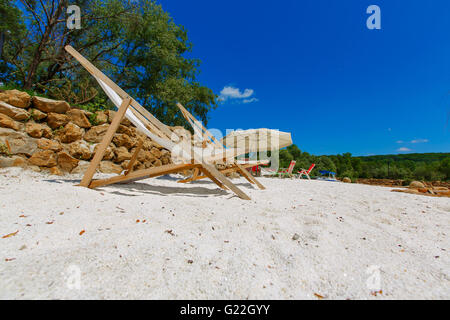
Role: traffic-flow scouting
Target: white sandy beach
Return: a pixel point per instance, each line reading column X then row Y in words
column 199, row 242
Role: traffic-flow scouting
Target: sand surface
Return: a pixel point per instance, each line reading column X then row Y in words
column 199, row 242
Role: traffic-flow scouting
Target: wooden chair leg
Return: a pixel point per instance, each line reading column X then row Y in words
column 134, row 157
column 241, row 170
column 89, row 174
column 249, row 177
column 220, row 184
column 185, row 180
column 219, row 176
column 195, row 175
column 191, row 178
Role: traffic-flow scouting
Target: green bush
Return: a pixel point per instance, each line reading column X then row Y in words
column 97, row 104
column 93, row 119
column 4, row 150
column 408, row 167
column 15, row 86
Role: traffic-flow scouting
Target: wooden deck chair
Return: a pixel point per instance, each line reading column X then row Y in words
column 209, row 141
column 146, row 123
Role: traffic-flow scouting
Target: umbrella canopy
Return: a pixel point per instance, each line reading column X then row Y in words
column 255, row 140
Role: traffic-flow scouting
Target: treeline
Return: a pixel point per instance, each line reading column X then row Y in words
column 136, row 43
column 416, row 166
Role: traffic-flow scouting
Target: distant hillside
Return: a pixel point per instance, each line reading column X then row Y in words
column 416, row 157
column 417, row 166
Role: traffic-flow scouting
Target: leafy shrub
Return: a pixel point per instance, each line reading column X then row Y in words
column 97, row 104
column 15, row 86
column 4, row 150
column 93, row 119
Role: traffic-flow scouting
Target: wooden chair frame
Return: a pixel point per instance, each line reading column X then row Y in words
column 154, row 125
column 208, row 138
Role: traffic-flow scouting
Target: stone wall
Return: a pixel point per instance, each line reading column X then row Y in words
column 43, row 134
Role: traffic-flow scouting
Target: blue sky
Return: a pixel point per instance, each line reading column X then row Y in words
column 314, row 69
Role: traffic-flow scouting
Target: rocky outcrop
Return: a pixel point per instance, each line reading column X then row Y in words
column 48, row 105
column 426, row 191
column 56, row 120
column 7, row 122
column 109, row 152
column 80, row 150
column 19, row 142
column 34, row 130
column 78, row 117
column 95, row 134
column 157, row 163
column 47, row 144
column 124, row 140
column 16, row 98
column 13, row 161
column 41, row 134
column 70, row 133
column 109, row 167
column 66, row 162
column 121, row 154
column 416, row 185
column 81, row 167
column 46, row 158
column 381, row 182
column 55, row 171
column 156, row 152
column 37, row 114
column 101, row 117
column 14, row 113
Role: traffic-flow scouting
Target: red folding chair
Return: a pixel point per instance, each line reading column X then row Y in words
column 287, row 172
column 306, row 172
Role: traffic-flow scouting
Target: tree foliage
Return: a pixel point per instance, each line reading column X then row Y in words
column 136, row 43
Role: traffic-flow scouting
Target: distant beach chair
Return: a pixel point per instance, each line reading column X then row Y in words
column 287, row 172
column 306, row 172
column 189, row 157
column 268, row 172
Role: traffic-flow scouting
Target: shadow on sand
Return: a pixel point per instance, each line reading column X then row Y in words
column 139, row 188
column 136, row 188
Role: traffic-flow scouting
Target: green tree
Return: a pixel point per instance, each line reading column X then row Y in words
column 294, row 151
column 136, row 43
column 285, row 158
column 325, row 163
column 444, row 168
column 12, row 29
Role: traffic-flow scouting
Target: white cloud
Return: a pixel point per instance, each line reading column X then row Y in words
column 403, row 149
column 413, row 141
column 232, row 93
column 250, row 100
column 419, row 141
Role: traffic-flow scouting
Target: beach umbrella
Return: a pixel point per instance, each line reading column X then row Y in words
column 255, row 140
